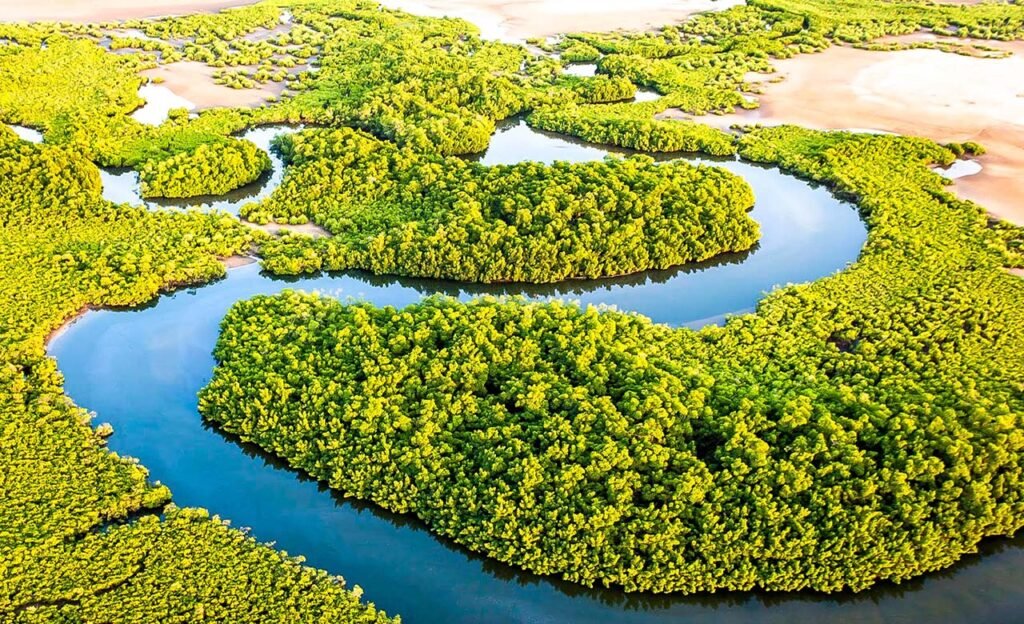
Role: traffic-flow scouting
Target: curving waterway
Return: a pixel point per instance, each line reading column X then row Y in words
column 140, row 370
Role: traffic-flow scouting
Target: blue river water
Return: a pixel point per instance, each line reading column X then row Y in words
column 140, row 370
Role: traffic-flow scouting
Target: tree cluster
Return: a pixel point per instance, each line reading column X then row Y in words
column 397, row 211
column 210, row 169
column 862, row 428
column 633, row 126
column 68, row 551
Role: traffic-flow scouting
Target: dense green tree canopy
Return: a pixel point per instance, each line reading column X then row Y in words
column 62, row 249
column 209, row 169
column 864, row 427
column 394, row 210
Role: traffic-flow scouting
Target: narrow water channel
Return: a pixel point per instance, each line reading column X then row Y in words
column 121, row 186
column 140, row 370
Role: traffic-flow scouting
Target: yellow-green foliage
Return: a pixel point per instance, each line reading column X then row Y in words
column 59, row 480
column 863, row 20
column 63, row 248
column 227, row 25
column 210, row 169
column 575, row 51
column 700, row 65
column 428, row 84
column 80, row 96
column 398, row 211
column 66, row 83
column 186, row 568
column 600, row 89
column 633, row 126
column 866, row 427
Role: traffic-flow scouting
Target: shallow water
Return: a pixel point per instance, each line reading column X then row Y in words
column 28, row 134
column 646, row 95
column 584, row 70
column 961, row 168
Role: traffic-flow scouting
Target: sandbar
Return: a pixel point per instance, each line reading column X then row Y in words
column 516, row 20
column 194, row 82
column 91, row 11
column 942, row 96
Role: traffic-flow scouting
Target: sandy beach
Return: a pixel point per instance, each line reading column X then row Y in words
column 85, row 11
column 942, row 96
column 515, row 20
column 234, row 262
column 193, row 81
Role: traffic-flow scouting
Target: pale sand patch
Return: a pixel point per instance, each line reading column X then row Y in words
column 86, row 11
column 193, row 81
column 233, row 262
column 309, row 229
column 968, row 45
column 515, row 20
column 945, row 97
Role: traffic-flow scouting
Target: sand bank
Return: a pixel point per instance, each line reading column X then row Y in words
column 309, row 229
column 233, row 262
column 194, row 82
column 945, row 97
column 515, row 20
column 84, row 11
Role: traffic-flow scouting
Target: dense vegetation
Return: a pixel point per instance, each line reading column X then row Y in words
column 62, row 248
column 393, row 210
column 430, row 84
column 701, row 64
column 186, row 568
column 633, row 126
column 210, row 169
column 864, row 427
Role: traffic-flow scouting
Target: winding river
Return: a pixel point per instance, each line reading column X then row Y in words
column 122, row 185
column 140, row 370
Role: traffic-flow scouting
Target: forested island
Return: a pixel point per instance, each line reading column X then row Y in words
column 863, row 428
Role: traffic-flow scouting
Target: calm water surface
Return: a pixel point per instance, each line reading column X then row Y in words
column 140, row 370
column 28, row 134
column 583, row 70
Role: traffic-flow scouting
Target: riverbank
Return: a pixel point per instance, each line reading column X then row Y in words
column 88, row 11
column 942, row 96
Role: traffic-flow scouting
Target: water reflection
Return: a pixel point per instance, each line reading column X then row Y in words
column 623, row 600
column 140, row 370
column 583, row 70
column 28, row 134
column 646, row 95
column 960, row 168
